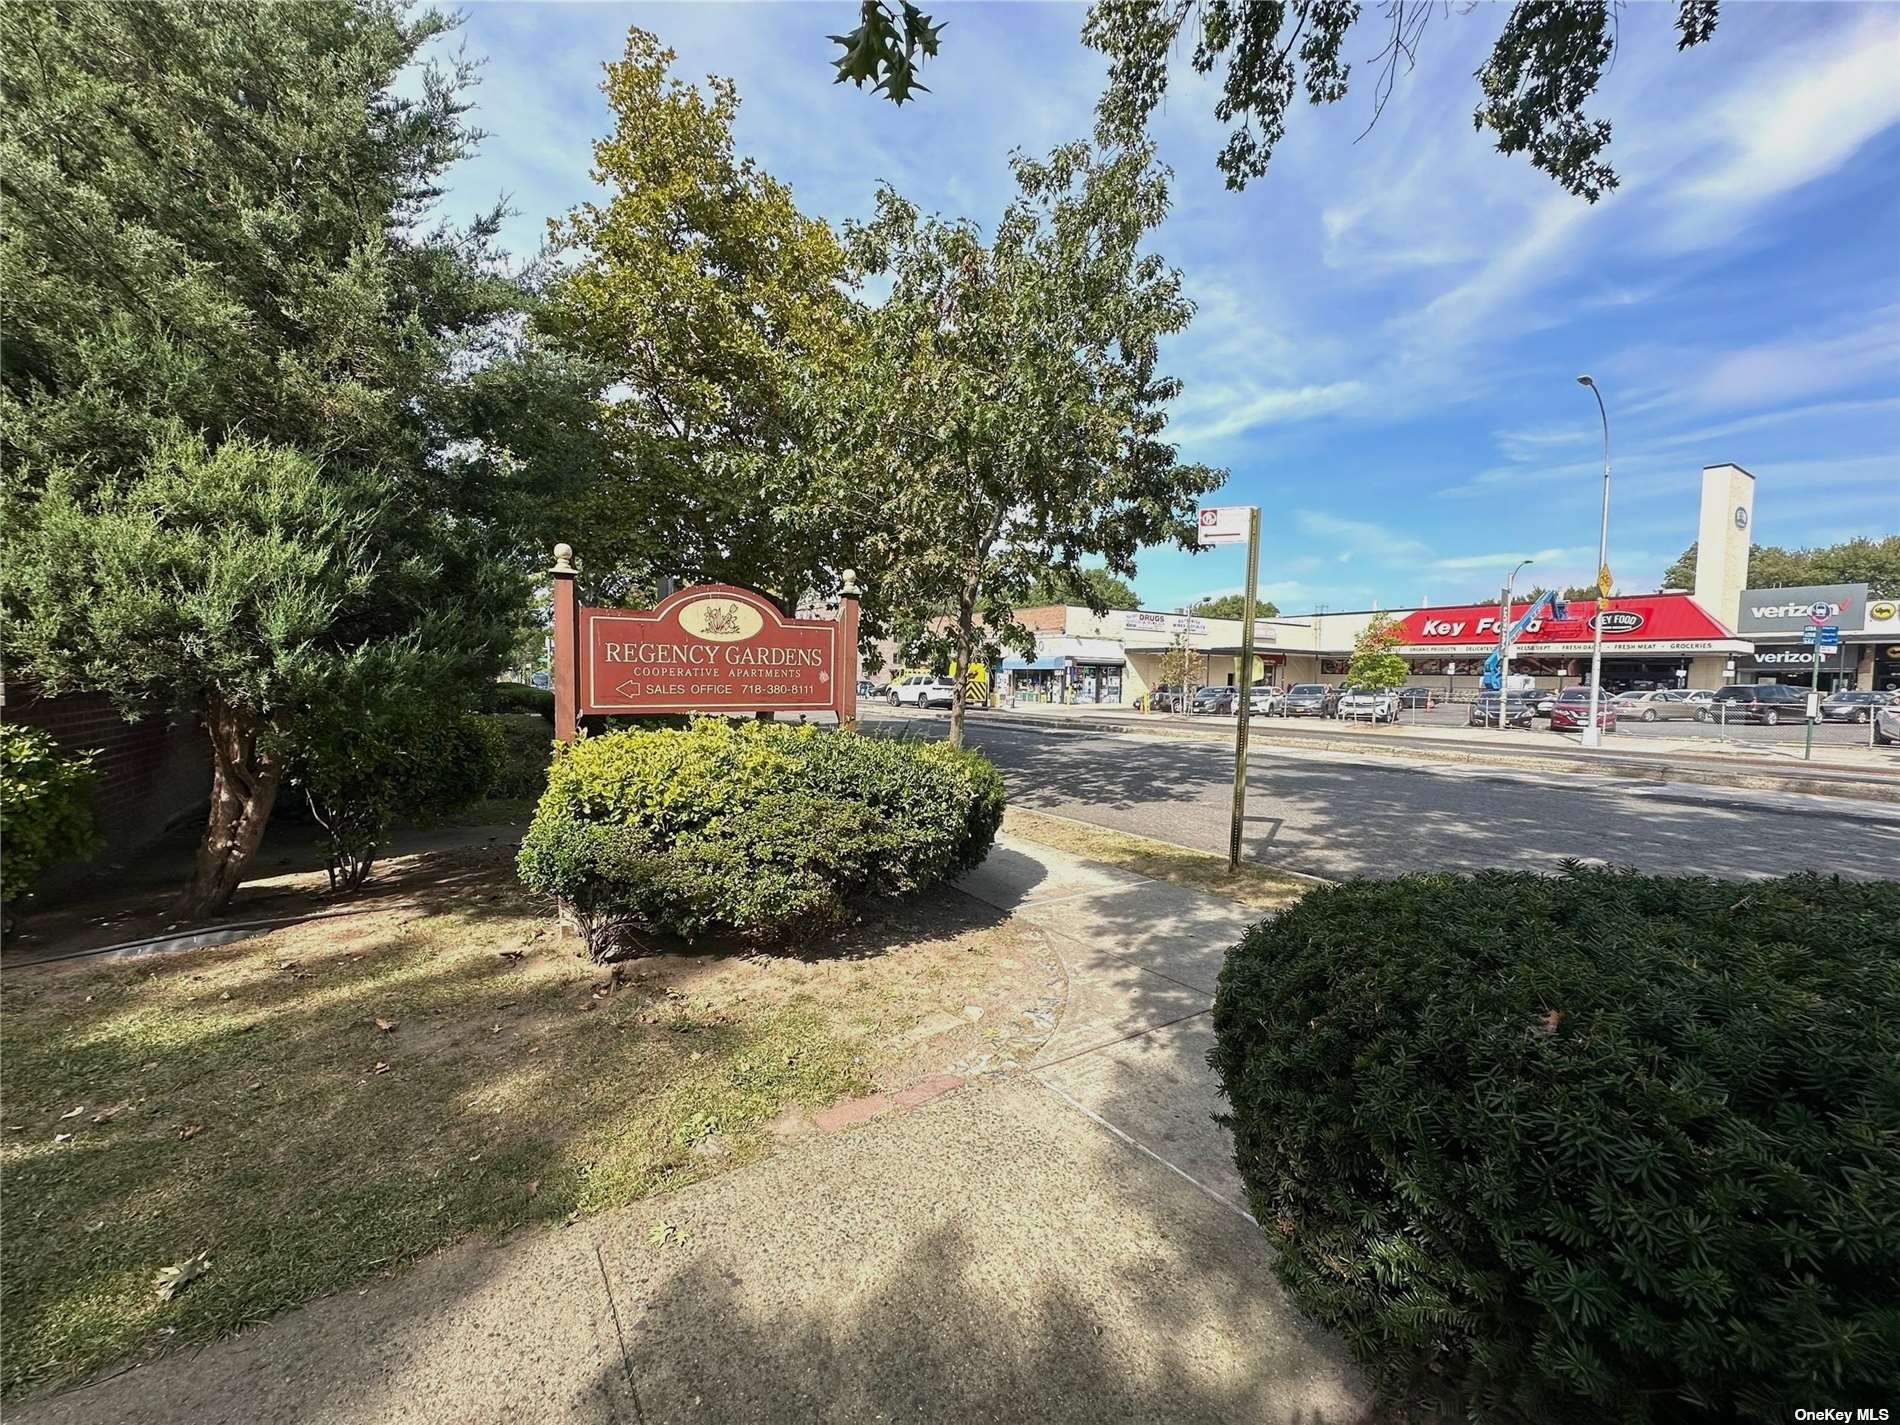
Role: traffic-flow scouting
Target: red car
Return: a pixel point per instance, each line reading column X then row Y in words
column 1572, row 710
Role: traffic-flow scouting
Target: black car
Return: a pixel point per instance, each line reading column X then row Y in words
column 1417, row 698
column 1168, row 698
column 1767, row 703
column 1311, row 700
column 1853, row 706
column 1213, row 700
column 1520, row 709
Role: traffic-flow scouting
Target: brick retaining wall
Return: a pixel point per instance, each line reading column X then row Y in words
column 150, row 772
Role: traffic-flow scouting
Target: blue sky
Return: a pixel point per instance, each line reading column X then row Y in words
column 1389, row 327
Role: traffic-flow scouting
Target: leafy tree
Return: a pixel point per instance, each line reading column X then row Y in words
column 1579, row 591
column 236, row 470
column 1874, row 562
column 1183, row 668
column 1012, row 386
column 886, row 46
column 1097, row 588
column 714, row 315
column 1545, row 67
column 1374, row 665
column 1234, row 606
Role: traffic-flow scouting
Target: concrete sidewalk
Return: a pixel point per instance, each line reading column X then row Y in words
column 1062, row 1244
column 1143, row 958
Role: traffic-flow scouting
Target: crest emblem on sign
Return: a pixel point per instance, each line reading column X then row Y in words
column 720, row 618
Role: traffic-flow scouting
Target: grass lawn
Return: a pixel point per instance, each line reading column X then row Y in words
column 1254, row 886
column 323, row 1104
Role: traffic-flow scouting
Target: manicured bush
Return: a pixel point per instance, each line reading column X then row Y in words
column 1595, row 1146
column 45, row 808
column 523, row 745
column 751, row 830
column 518, row 698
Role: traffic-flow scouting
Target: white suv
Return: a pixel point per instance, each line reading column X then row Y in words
column 923, row 690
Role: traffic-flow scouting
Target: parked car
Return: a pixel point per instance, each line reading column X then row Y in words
column 1853, row 706
column 923, row 690
column 1213, row 700
column 1767, row 703
column 1519, row 709
column 1168, row 698
column 1887, row 724
column 1311, row 700
column 1545, row 700
column 1366, row 703
column 1417, row 698
column 1660, row 706
column 1264, row 700
column 1573, row 711
column 868, row 689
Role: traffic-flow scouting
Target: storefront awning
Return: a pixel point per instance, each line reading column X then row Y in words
column 1082, row 650
column 1023, row 665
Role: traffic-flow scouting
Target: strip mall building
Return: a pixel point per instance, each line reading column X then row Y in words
column 1720, row 633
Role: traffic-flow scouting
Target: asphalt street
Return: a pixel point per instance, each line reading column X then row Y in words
column 1330, row 815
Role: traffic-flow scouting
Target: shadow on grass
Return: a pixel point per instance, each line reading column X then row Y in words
column 345, row 1096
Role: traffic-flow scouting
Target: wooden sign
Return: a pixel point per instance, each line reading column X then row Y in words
column 716, row 648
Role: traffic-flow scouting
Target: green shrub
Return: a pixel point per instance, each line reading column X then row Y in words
column 523, row 745
column 45, row 808
column 1595, row 1146
column 518, row 698
column 395, row 760
column 751, row 830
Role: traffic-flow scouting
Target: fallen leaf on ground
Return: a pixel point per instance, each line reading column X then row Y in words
column 173, row 1279
column 106, row 1115
column 381, row 1068
column 61, row 1137
column 190, row 1130
column 74, row 1114
column 385, row 1025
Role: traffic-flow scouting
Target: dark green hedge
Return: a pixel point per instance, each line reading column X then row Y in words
column 518, row 698
column 1596, row 1146
column 751, row 830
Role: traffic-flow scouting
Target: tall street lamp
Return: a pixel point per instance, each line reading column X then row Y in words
column 1504, row 641
column 1592, row 734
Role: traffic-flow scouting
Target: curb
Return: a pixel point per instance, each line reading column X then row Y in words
column 1852, row 783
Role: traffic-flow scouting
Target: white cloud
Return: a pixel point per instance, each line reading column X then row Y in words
column 1212, row 413
column 1356, row 537
column 1779, row 371
column 1802, row 119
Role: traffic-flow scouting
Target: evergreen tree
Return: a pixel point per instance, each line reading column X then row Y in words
column 233, row 410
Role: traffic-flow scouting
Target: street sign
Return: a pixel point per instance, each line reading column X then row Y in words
column 1604, row 582
column 1224, row 524
column 540, row 680
column 1829, row 637
column 1820, row 613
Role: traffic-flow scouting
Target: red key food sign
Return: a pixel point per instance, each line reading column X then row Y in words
column 716, row 648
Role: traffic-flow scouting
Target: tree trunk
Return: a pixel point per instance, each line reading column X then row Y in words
column 244, row 786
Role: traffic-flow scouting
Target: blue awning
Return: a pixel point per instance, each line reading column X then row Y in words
column 1020, row 665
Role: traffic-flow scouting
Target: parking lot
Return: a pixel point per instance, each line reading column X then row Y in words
column 1835, row 734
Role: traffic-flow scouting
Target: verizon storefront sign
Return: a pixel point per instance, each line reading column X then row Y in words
column 715, row 648
column 1656, row 623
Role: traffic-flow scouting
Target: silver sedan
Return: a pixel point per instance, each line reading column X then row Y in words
column 1662, row 705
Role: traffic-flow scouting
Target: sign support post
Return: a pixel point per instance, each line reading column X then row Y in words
column 566, row 645
column 847, row 673
column 1816, row 637
column 1243, row 695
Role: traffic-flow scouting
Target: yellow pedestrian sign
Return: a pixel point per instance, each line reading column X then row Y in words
column 1604, row 582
